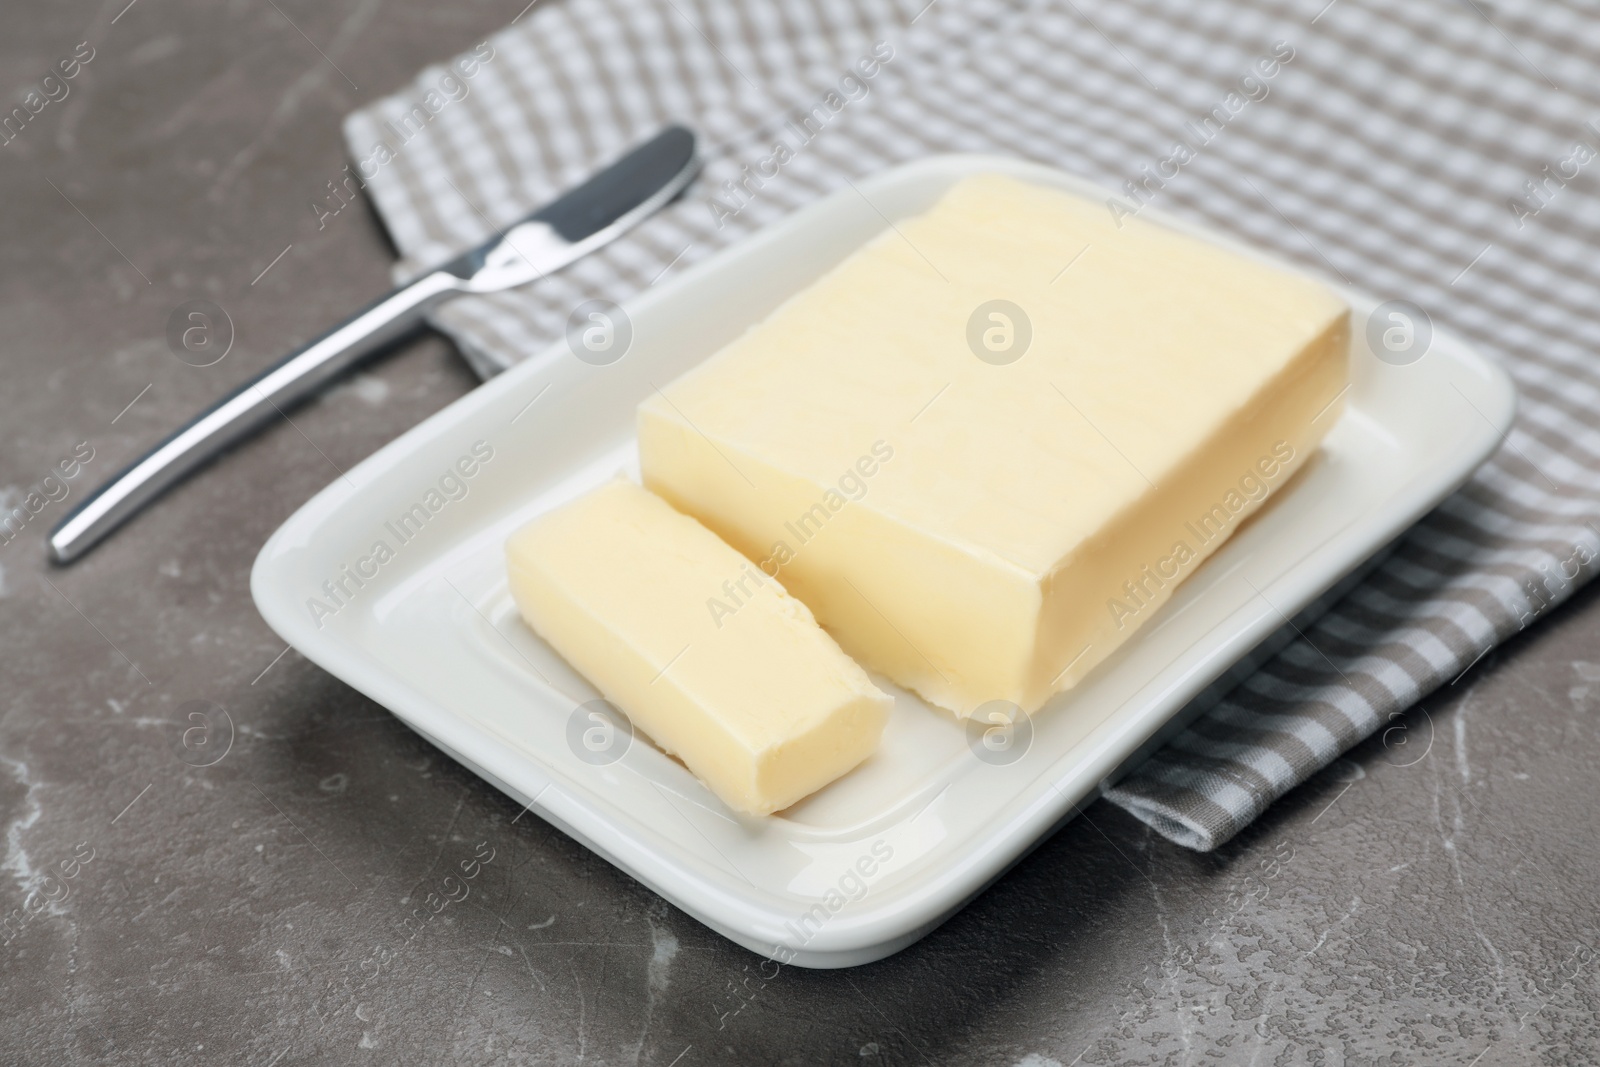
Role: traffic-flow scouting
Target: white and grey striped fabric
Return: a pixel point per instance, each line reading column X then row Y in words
column 1395, row 147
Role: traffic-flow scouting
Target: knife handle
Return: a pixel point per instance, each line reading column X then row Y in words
column 245, row 410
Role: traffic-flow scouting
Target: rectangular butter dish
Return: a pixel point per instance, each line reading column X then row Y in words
column 393, row 579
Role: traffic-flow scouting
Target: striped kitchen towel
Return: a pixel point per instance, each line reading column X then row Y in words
column 1435, row 153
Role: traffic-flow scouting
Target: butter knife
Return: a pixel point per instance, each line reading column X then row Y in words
column 581, row 220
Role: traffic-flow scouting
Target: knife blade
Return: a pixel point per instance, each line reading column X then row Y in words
column 586, row 217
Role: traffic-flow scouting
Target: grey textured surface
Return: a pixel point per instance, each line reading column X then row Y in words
column 1429, row 899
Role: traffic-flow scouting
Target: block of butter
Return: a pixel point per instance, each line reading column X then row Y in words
column 713, row 660
column 987, row 446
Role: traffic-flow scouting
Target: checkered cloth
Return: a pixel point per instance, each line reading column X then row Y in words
column 1393, row 147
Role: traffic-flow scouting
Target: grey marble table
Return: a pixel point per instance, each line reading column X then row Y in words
column 1430, row 899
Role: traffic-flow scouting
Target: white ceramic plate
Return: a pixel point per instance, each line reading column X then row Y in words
column 876, row 860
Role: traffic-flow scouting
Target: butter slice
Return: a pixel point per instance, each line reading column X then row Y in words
column 979, row 531
column 714, row 661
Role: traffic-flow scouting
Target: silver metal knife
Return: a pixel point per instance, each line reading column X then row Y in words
column 578, row 222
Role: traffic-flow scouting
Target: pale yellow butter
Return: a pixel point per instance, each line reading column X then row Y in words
column 716, row 663
column 981, row 530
